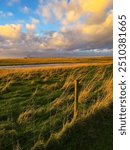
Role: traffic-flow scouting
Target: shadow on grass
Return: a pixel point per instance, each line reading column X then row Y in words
column 93, row 133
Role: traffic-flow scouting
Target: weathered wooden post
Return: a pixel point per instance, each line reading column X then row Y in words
column 76, row 98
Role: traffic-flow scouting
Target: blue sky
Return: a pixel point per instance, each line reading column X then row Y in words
column 55, row 27
column 18, row 14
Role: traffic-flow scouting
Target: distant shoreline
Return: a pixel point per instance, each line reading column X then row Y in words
column 49, row 61
column 45, row 65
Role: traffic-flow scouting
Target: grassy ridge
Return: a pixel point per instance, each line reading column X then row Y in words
column 37, row 109
column 32, row 61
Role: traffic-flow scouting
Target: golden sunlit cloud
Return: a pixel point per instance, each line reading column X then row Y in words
column 90, row 19
column 83, row 25
column 10, row 31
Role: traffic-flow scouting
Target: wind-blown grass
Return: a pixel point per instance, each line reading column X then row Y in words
column 37, row 108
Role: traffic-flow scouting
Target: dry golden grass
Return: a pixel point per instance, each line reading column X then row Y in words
column 105, row 102
column 25, row 116
column 18, row 61
column 6, row 86
column 92, row 110
column 5, row 72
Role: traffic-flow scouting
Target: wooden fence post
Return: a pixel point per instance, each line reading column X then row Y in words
column 76, row 98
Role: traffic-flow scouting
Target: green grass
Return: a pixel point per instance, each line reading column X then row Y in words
column 36, row 110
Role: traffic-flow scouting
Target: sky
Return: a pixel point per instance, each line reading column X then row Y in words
column 55, row 28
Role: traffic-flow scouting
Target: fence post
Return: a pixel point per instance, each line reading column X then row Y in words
column 76, row 98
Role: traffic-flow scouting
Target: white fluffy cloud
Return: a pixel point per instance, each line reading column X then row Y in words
column 8, row 14
column 25, row 10
column 85, row 28
column 85, row 24
column 31, row 28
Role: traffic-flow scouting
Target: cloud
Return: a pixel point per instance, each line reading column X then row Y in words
column 97, row 10
column 31, row 28
column 92, row 11
column 10, row 31
column 25, row 10
column 84, row 24
column 85, row 29
column 50, row 14
column 8, row 14
column 12, row 2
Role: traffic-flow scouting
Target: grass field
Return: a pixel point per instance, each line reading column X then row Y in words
column 32, row 61
column 36, row 108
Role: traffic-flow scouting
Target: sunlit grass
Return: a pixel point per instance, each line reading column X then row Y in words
column 37, row 107
column 25, row 61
